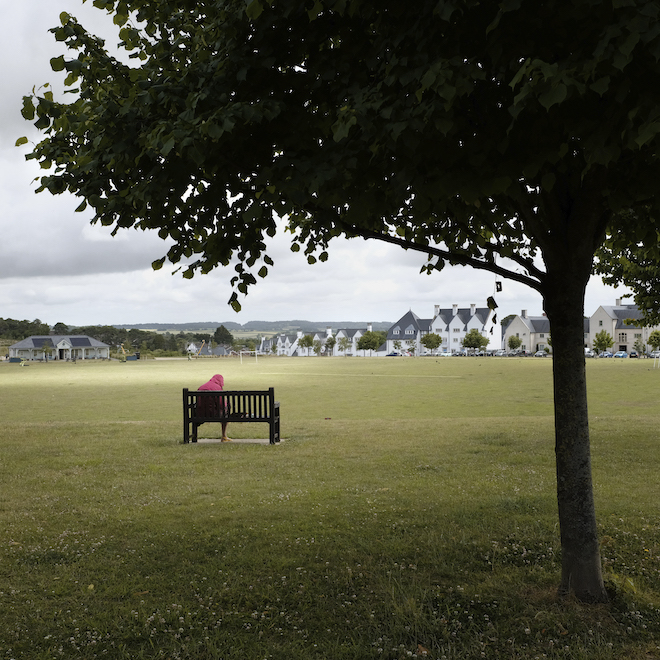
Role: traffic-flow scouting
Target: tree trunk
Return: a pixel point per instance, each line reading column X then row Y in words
column 581, row 566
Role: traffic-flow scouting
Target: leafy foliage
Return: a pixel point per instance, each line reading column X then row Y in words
column 634, row 260
column 514, row 343
column 474, row 340
column 223, row 336
column 458, row 131
column 603, row 341
column 654, row 339
column 431, row 341
column 370, row 341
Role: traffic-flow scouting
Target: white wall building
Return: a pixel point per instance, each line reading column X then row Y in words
column 60, row 347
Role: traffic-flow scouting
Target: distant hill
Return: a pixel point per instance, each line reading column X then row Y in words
column 256, row 326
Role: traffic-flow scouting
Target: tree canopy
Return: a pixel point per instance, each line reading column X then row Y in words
column 475, row 340
column 512, row 137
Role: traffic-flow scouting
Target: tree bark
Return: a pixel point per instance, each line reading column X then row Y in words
column 581, row 565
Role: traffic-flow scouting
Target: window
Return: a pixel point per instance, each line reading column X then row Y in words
column 623, row 336
column 541, row 335
column 600, row 324
column 457, row 329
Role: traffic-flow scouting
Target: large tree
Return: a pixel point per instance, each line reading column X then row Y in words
column 505, row 136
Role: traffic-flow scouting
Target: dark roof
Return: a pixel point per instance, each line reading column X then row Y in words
column 409, row 319
column 464, row 315
column 39, row 341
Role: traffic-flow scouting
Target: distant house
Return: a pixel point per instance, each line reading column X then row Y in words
column 451, row 324
column 623, row 324
column 60, row 347
column 533, row 331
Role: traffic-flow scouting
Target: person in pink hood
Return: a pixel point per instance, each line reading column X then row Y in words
column 217, row 382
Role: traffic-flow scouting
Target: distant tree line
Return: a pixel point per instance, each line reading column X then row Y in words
column 132, row 339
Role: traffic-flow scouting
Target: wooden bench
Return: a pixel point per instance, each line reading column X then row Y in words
column 200, row 407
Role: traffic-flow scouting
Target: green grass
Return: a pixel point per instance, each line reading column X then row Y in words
column 411, row 503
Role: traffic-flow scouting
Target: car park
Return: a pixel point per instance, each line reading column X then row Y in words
column 621, row 354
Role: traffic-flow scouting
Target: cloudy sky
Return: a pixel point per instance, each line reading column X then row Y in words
column 56, row 267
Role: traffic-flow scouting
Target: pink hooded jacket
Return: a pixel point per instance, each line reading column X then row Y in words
column 216, row 383
column 211, row 405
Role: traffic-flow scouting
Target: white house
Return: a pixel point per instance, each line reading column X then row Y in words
column 620, row 322
column 451, row 324
column 60, row 347
column 534, row 331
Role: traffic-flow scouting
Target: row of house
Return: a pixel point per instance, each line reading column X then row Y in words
column 345, row 343
column 451, row 324
column 621, row 322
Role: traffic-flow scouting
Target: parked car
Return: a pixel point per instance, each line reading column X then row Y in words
column 393, row 354
column 621, row 354
column 589, row 353
column 605, row 354
column 500, row 353
column 633, row 354
column 655, row 354
column 540, row 354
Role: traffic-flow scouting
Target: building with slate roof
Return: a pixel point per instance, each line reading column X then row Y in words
column 623, row 324
column 451, row 324
column 60, row 347
column 534, row 331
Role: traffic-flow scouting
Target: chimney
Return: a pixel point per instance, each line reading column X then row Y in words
column 328, row 332
column 300, row 334
column 473, row 310
column 523, row 314
column 454, row 310
column 436, row 310
column 618, row 302
column 370, row 327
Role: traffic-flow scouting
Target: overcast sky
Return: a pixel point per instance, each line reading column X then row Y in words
column 55, row 266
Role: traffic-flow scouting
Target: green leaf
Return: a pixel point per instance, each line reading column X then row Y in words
column 168, row 146
column 553, row 96
column 20, row 141
column 57, row 63
column 601, row 85
column 315, row 10
column 82, row 206
column 548, row 181
column 254, row 9
column 28, row 108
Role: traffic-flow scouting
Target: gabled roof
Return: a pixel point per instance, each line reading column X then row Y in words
column 464, row 315
column 407, row 321
column 50, row 341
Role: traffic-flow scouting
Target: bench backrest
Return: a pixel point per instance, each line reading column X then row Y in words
column 211, row 404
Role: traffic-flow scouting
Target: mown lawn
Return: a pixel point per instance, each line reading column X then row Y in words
column 409, row 512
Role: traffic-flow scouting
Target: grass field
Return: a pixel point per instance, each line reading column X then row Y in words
column 409, row 512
